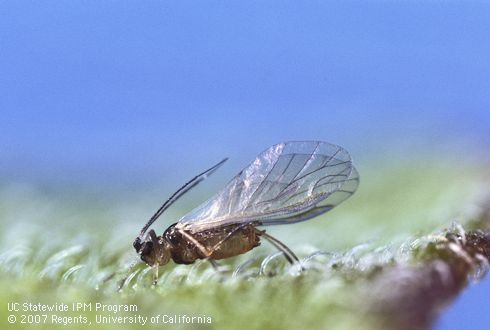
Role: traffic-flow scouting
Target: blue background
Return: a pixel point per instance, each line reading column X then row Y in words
column 118, row 93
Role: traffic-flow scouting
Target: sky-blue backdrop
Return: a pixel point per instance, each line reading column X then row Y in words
column 117, row 91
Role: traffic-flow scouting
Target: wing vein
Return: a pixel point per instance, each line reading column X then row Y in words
column 322, row 166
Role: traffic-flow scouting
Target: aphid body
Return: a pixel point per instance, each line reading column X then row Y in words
column 287, row 183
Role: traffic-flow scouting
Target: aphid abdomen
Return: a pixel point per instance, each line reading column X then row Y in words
column 224, row 242
column 243, row 240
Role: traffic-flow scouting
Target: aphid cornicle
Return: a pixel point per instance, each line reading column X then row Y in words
column 287, row 183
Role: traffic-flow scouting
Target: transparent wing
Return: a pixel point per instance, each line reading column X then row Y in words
column 289, row 182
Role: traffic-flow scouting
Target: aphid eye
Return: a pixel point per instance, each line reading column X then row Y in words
column 137, row 244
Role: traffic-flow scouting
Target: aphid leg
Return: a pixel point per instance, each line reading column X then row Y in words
column 228, row 236
column 201, row 247
column 288, row 254
column 214, row 263
column 155, row 274
column 154, row 239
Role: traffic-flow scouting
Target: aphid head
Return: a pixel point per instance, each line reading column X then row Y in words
column 153, row 252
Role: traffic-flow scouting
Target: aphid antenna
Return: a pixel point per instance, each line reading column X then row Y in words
column 179, row 193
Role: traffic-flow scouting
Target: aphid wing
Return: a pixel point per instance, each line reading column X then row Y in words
column 325, row 205
column 301, row 178
column 285, row 181
column 234, row 198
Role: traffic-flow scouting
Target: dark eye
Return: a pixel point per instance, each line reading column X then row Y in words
column 137, row 244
